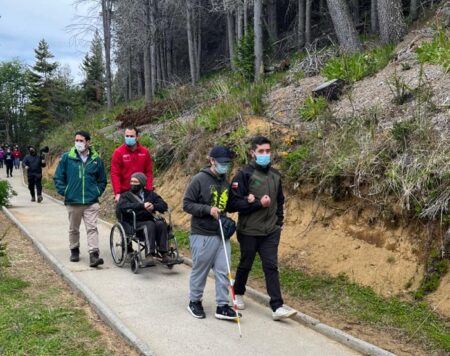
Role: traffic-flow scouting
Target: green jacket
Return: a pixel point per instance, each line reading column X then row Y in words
column 80, row 183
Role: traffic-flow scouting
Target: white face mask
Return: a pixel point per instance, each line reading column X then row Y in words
column 80, row 146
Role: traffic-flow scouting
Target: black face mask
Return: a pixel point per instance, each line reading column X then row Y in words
column 33, row 152
column 136, row 188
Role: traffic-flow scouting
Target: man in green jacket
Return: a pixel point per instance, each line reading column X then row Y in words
column 257, row 194
column 80, row 178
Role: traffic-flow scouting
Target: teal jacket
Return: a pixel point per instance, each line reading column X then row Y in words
column 78, row 182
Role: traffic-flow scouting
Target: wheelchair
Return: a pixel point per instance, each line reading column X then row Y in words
column 119, row 240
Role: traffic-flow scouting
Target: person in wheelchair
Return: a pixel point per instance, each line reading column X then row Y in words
column 152, row 229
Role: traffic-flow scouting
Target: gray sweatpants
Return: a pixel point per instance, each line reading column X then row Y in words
column 207, row 252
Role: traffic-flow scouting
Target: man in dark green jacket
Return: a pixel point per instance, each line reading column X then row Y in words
column 257, row 194
column 80, row 178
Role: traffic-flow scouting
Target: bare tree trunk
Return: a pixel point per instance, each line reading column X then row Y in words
column 245, row 16
column 308, row 11
column 130, row 76
column 140, row 87
column 258, row 38
column 106, row 17
column 230, row 34
column 147, row 75
column 413, row 9
column 158, row 68
column 239, row 29
column 373, row 16
column 152, row 25
column 301, row 23
column 343, row 26
column 355, row 11
column 391, row 21
column 191, row 47
column 169, row 58
column 272, row 20
column 198, row 43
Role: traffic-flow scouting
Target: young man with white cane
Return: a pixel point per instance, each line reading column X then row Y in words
column 205, row 199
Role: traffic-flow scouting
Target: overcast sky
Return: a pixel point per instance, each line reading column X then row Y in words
column 23, row 23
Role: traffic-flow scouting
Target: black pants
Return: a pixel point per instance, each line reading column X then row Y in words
column 9, row 167
column 155, row 233
column 1, row 162
column 35, row 181
column 267, row 248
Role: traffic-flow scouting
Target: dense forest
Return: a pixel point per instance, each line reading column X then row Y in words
column 155, row 44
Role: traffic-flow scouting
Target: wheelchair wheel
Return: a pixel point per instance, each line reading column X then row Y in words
column 118, row 244
column 134, row 264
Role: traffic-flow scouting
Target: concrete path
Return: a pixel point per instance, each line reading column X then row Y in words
column 152, row 304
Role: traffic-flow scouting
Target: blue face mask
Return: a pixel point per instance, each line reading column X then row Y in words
column 130, row 141
column 262, row 160
column 222, row 168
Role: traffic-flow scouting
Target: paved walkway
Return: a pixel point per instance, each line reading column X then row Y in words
column 152, row 304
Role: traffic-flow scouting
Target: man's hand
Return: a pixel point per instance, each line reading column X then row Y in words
column 215, row 212
column 26, row 167
column 149, row 206
column 117, row 197
column 251, row 198
column 265, row 201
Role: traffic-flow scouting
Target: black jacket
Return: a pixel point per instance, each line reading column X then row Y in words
column 34, row 164
column 205, row 191
column 129, row 200
column 254, row 220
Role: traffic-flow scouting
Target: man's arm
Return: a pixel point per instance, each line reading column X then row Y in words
column 280, row 205
column 116, row 169
column 190, row 201
column 148, row 171
column 60, row 177
column 239, row 196
column 101, row 178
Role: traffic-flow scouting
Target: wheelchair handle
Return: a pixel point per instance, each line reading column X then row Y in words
column 131, row 211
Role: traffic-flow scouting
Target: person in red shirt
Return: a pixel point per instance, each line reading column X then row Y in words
column 129, row 158
column 17, row 155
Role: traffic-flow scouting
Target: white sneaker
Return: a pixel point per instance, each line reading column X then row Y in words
column 283, row 313
column 239, row 301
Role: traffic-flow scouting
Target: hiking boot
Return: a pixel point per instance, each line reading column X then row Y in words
column 196, row 309
column 225, row 312
column 39, row 200
column 283, row 313
column 239, row 299
column 74, row 254
column 33, row 199
column 149, row 261
column 94, row 259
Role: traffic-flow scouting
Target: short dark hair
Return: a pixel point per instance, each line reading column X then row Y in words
column 259, row 140
column 132, row 128
column 85, row 134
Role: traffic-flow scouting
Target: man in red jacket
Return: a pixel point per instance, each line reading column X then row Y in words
column 127, row 159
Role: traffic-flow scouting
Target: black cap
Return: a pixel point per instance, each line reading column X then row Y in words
column 221, row 154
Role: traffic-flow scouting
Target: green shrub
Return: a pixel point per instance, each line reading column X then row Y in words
column 294, row 163
column 313, row 108
column 6, row 192
column 244, row 57
column 211, row 118
column 354, row 67
column 437, row 51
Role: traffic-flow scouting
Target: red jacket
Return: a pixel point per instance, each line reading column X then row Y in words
column 125, row 162
column 16, row 153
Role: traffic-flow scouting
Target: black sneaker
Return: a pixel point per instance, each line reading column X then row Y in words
column 225, row 312
column 95, row 260
column 196, row 309
column 39, row 199
column 74, row 254
column 33, row 199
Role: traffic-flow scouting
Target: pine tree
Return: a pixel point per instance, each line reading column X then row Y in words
column 94, row 71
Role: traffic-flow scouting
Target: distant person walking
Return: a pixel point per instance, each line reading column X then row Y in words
column 9, row 162
column 17, row 155
column 80, row 178
column 129, row 158
column 33, row 163
column 257, row 195
column 205, row 199
column 2, row 156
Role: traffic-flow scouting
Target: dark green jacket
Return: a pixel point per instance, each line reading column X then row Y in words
column 80, row 183
column 254, row 220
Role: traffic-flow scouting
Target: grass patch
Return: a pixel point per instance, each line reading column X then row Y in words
column 313, row 108
column 354, row 67
column 437, row 51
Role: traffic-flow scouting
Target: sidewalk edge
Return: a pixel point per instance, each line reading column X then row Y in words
column 314, row 324
column 101, row 308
